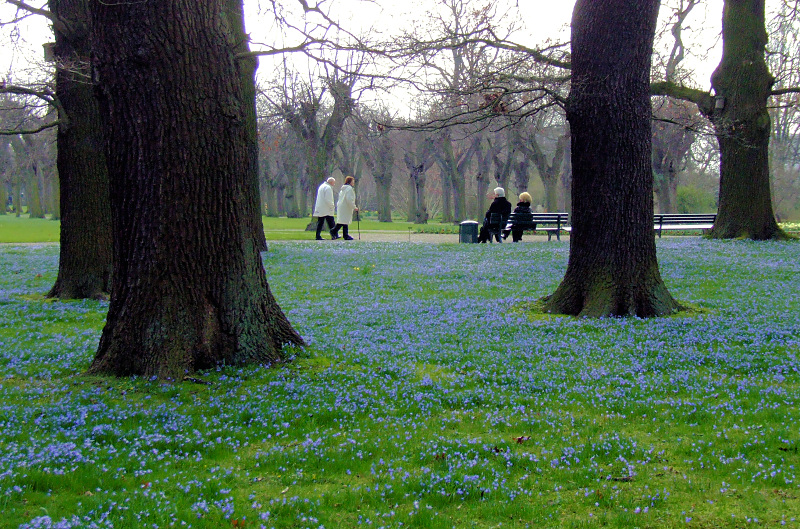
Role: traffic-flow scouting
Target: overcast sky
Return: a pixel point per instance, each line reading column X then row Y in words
column 541, row 19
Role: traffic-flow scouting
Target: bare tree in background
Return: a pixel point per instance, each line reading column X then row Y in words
column 302, row 104
column 783, row 59
column 418, row 159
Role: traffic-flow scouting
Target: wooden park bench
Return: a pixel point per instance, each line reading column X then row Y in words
column 683, row 221
column 551, row 223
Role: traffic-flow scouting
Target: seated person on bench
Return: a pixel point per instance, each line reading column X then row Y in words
column 500, row 205
column 523, row 206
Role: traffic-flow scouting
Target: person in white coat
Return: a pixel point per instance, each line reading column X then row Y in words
column 345, row 208
column 324, row 207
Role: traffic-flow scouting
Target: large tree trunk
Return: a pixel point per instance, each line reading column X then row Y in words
column 189, row 287
column 742, row 126
column 247, row 70
column 84, row 267
column 612, row 269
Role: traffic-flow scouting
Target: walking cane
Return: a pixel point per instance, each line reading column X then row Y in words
column 358, row 223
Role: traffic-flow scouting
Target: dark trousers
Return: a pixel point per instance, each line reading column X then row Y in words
column 484, row 235
column 344, row 227
column 321, row 221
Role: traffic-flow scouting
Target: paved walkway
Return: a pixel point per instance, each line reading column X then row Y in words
column 434, row 238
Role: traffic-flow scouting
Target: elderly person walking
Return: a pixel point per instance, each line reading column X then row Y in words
column 345, row 208
column 324, row 208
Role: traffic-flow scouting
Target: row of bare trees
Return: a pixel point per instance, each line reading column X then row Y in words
column 28, row 179
column 301, row 142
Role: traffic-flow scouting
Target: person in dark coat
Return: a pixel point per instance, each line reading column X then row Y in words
column 500, row 205
column 523, row 206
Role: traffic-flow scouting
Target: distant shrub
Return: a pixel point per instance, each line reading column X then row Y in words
column 695, row 200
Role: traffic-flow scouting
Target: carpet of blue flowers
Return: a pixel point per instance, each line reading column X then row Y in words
column 429, row 396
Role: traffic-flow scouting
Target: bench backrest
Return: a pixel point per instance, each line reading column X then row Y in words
column 684, row 218
column 540, row 218
column 496, row 220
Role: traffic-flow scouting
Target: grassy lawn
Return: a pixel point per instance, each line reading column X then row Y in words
column 23, row 229
column 428, row 397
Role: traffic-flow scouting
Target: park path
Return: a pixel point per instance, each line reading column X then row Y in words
column 431, row 238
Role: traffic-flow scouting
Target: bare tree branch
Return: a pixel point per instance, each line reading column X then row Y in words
column 37, row 130
column 788, row 90
column 58, row 24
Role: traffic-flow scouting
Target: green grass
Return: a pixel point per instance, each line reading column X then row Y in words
column 431, row 395
column 26, row 230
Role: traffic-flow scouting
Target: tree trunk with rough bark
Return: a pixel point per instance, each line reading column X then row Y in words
column 742, row 84
column 247, row 65
column 84, row 267
column 612, row 268
column 189, row 288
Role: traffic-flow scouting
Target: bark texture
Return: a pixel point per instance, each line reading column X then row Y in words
column 742, row 84
column 84, row 267
column 189, row 287
column 246, row 66
column 612, row 269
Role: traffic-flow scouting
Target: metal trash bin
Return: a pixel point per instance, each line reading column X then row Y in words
column 468, row 231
